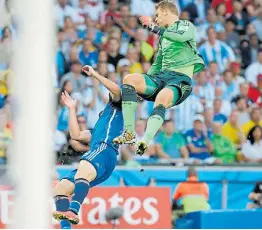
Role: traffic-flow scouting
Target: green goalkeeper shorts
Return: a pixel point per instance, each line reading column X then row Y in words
column 167, row 79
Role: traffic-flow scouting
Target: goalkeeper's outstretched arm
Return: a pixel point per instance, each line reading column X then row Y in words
column 184, row 32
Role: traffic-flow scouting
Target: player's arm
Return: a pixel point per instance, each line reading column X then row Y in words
column 74, row 129
column 78, row 146
column 185, row 30
column 111, row 86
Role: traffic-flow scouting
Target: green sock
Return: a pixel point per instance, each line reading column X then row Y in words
column 154, row 123
column 129, row 105
column 129, row 115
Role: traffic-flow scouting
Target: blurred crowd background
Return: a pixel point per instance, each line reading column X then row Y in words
column 220, row 123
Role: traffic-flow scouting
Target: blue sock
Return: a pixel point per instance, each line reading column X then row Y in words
column 81, row 189
column 62, row 204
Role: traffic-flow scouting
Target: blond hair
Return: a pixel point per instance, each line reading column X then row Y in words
column 163, row 5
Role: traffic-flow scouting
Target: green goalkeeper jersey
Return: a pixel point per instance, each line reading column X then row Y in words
column 177, row 50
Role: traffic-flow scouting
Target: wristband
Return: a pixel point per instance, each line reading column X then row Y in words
column 156, row 29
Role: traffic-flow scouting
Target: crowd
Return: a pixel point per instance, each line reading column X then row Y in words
column 220, row 122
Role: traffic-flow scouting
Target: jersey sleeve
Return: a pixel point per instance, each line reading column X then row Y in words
column 185, row 31
column 157, row 65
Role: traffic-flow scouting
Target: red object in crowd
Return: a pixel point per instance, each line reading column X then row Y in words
column 107, row 15
column 228, row 3
column 255, row 93
column 153, row 40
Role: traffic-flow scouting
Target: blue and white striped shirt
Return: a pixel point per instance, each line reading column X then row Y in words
column 221, row 53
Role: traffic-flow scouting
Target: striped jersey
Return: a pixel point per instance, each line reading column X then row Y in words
column 221, row 53
column 109, row 125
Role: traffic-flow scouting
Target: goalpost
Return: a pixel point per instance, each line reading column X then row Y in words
column 31, row 162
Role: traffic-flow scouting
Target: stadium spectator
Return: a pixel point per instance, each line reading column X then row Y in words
column 255, row 119
column 172, row 142
column 228, row 5
column 70, row 34
column 75, row 77
column 232, row 37
column 198, row 139
column 211, row 20
column 73, row 57
column 226, row 106
column 245, row 53
column 63, row 10
column 251, row 149
column 88, row 55
column 254, row 69
column 94, row 8
column 206, row 90
column 218, row 116
column 214, row 77
column 183, row 114
column 224, row 149
column 232, row 130
column 221, row 12
column 243, row 93
column 239, row 17
column 192, row 194
column 258, row 22
column 242, row 108
column 113, row 52
column 229, row 87
column 124, row 11
column 215, row 50
column 106, row 17
column 255, row 196
column 254, row 45
column 235, row 68
column 145, row 50
column 81, row 11
column 133, row 58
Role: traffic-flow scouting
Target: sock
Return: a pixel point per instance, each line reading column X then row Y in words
column 154, row 123
column 62, row 204
column 129, row 105
column 81, row 189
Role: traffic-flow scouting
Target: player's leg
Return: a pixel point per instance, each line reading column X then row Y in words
column 93, row 169
column 164, row 99
column 63, row 190
column 177, row 88
column 133, row 84
column 86, row 173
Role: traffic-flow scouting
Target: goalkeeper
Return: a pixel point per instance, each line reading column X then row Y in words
column 168, row 81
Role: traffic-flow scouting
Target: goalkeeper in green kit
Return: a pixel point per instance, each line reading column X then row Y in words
column 168, row 81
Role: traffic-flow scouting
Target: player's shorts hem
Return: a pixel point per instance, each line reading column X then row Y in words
column 167, row 79
column 72, row 179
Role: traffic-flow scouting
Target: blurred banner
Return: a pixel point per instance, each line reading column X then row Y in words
column 144, row 207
